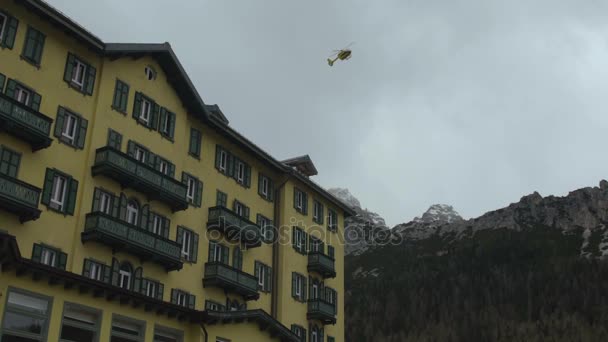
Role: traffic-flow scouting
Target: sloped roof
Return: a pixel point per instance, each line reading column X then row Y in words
column 303, row 164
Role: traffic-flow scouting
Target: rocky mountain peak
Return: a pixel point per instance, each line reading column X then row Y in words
column 345, row 196
column 439, row 213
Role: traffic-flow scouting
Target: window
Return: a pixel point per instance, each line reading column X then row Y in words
column 132, row 212
column 140, row 154
column 159, row 225
column 265, row 187
column 8, row 30
column 34, row 44
column 242, row 172
column 332, row 220
column 182, row 298
column 194, row 192
column 114, row 139
column 221, row 199
column 317, row 212
column 218, row 253
column 195, row 142
column 331, row 252
column 126, row 329
column 314, row 335
column 22, row 95
column 26, row 316
column 266, row 228
column 49, row 256
column 145, row 111
column 240, row 209
column 264, row 275
column 299, row 331
column 237, row 258
column 80, row 324
column 124, row 275
column 162, row 334
column 152, row 288
column 79, row 74
column 150, row 73
column 330, row 339
column 298, row 287
column 300, row 201
column 189, row 241
column 9, row 162
column 221, row 159
column 102, row 201
column 96, row 271
column 70, row 128
column 59, row 192
column 316, row 245
column 163, row 167
column 331, row 296
column 299, row 240
column 167, row 123
column 214, row 306
column 121, row 96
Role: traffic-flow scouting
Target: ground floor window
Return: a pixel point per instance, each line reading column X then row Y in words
column 127, row 330
column 80, row 324
column 26, row 317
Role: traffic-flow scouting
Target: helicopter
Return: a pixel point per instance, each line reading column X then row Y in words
column 342, row 54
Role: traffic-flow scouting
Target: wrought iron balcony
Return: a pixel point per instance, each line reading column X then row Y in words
column 130, row 172
column 231, row 279
column 19, row 198
column 121, row 235
column 234, row 227
column 25, row 123
column 321, row 310
column 322, row 264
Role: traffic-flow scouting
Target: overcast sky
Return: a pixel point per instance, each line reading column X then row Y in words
column 472, row 103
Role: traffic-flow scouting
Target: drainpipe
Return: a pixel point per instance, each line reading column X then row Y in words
column 274, row 302
column 204, row 332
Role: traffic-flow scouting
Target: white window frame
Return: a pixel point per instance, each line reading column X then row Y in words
column 182, row 298
column 140, row 154
column 262, row 273
column 223, row 160
column 150, row 73
column 157, row 223
column 217, row 252
column 69, row 131
column 146, row 109
column 124, row 276
column 151, row 289
column 299, row 235
column 186, row 242
column 163, row 167
column 48, row 257
column 264, row 186
column 58, row 192
column 300, row 200
column 315, row 291
column 105, row 203
column 20, row 92
column 132, row 211
column 299, row 285
column 191, row 191
column 239, row 209
column 165, row 125
column 316, row 210
column 314, row 336
column 3, row 26
column 240, row 174
column 96, row 271
column 78, row 73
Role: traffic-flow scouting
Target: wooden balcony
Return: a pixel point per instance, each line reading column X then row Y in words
column 121, row 235
column 234, row 227
column 25, row 123
column 19, row 198
column 129, row 172
column 319, row 309
column 231, row 279
column 322, row 264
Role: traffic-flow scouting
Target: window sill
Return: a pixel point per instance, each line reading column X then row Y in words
column 123, row 112
column 77, row 87
column 164, row 136
column 50, row 208
column 63, row 141
column 34, row 63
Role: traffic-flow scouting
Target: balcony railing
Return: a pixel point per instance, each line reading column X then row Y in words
column 19, row 198
column 234, row 226
column 231, row 279
column 130, row 172
column 25, row 123
column 322, row 264
column 321, row 310
column 121, row 235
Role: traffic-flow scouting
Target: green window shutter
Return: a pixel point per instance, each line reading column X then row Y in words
column 115, row 272
column 107, row 274
column 210, row 252
column 36, row 252
column 35, row 101
column 171, row 124
column 198, row 197
column 174, row 296
column 131, row 149
column 125, row 97
column 2, row 80
column 137, row 280
column 293, row 284
column 163, row 118
column 295, row 198
column 34, row 45
column 144, row 286
column 10, row 32
column 73, row 192
column 331, row 251
column 303, row 335
column 303, row 288
column 160, row 288
column 137, row 105
column 305, row 204
column 180, row 235
column 63, row 259
column 218, row 150
column 86, row 268
column 191, row 301
column 59, row 122
column 166, row 227
column 305, row 244
column 90, row 80
column 153, row 160
column 69, row 68
column 294, row 236
column 260, row 182
column 322, row 214
column 247, row 175
column 153, row 123
column 267, row 280
column 122, row 211
column 194, row 246
column 96, row 198
column 246, row 212
column 82, row 132
column 115, row 206
column 225, row 255
column 270, row 189
column 237, row 261
column 11, row 85
column 143, row 218
column 48, row 187
column 114, row 139
column 171, row 170
column 230, row 165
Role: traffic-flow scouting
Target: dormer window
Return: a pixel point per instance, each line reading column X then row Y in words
column 150, row 73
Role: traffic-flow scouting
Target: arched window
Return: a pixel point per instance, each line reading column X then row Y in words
column 150, row 73
column 125, row 275
column 314, row 334
column 132, row 212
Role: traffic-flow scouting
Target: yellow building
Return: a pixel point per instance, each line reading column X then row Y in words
column 131, row 211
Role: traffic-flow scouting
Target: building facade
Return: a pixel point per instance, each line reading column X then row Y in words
column 130, row 210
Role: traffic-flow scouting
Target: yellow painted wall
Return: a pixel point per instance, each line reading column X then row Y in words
column 63, row 231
